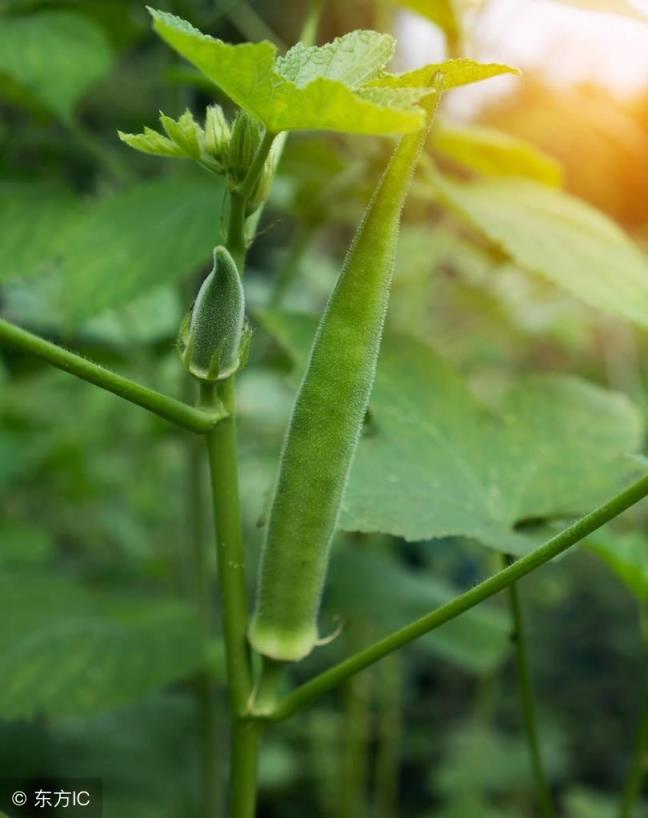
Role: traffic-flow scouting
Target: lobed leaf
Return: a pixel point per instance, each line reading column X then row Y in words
column 436, row 462
column 55, row 55
column 493, row 153
column 69, row 650
column 559, row 237
column 315, row 88
column 106, row 263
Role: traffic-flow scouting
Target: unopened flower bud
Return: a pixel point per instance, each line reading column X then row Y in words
column 213, row 339
column 245, row 141
column 217, row 132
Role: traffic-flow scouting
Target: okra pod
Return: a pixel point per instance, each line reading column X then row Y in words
column 326, row 423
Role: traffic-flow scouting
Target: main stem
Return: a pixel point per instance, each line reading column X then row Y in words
column 223, row 467
column 527, row 699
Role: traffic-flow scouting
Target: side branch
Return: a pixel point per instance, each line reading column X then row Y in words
column 535, row 559
column 175, row 411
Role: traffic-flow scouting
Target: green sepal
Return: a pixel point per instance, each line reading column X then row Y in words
column 244, row 144
column 185, row 132
column 217, row 132
column 186, row 139
column 214, row 338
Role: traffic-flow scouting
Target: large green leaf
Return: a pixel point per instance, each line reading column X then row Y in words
column 392, row 597
column 493, row 153
column 66, row 649
column 558, row 236
column 332, row 87
column 55, row 55
column 636, row 9
column 151, row 234
column 33, row 217
column 435, row 462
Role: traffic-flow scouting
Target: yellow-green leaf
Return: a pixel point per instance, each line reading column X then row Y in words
column 457, row 72
column 492, row 153
column 251, row 76
column 334, row 87
column 558, row 236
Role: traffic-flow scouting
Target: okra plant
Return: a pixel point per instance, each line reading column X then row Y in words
column 383, row 438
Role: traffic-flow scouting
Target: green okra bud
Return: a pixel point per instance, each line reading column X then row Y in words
column 217, row 132
column 326, row 424
column 264, row 183
column 243, row 146
column 214, row 337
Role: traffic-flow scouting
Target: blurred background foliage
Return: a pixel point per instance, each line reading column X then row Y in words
column 102, row 642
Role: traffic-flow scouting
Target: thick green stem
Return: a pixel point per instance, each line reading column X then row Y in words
column 188, row 417
column 556, row 545
column 201, row 585
column 246, row 739
column 527, row 700
column 223, row 466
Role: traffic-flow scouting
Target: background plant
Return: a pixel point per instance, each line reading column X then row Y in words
column 111, row 543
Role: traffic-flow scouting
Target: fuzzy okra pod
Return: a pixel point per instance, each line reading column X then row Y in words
column 326, row 422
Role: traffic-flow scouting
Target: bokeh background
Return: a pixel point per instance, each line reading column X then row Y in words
column 102, row 653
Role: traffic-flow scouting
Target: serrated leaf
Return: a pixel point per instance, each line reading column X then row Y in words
column 56, row 55
column 627, row 556
column 636, row 9
column 67, row 650
column 314, row 89
column 435, row 462
column 34, row 216
column 352, row 59
column 493, row 153
column 462, row 71
column 392, row 597
column 558, row 236
column 151, row 234
column 248, row 74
